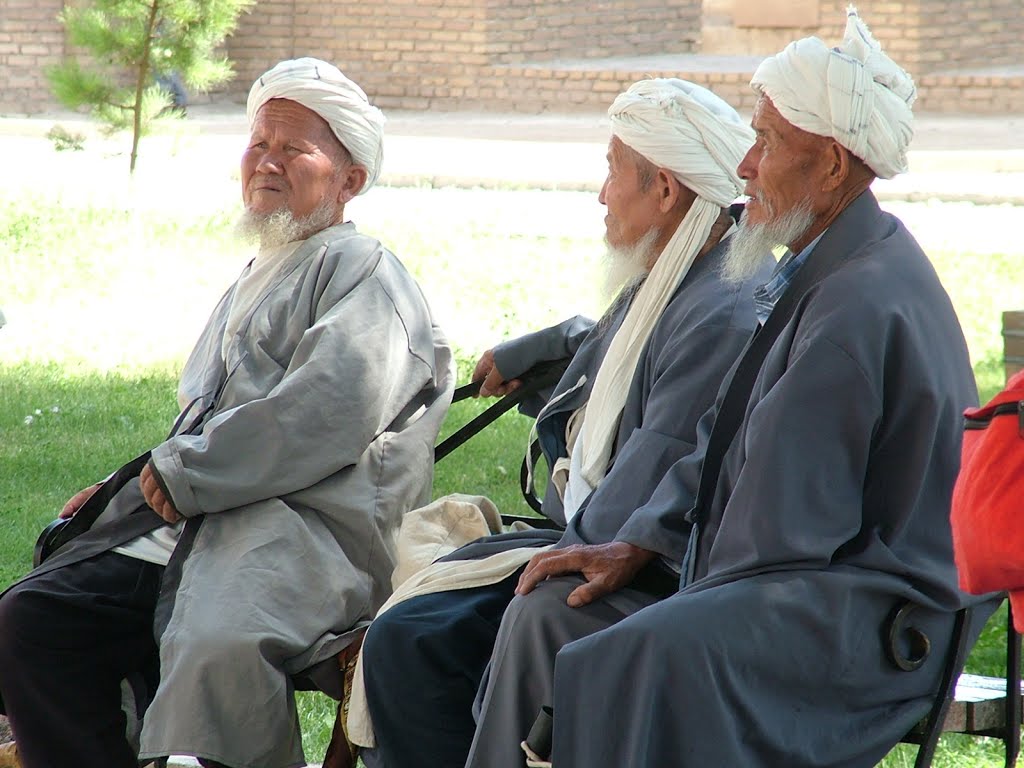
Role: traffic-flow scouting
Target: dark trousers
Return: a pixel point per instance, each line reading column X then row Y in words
column 67, row 639
column 423, row 662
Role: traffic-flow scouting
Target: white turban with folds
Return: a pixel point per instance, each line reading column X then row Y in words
column 322, row 88
column 853, row 93
column 700, row 140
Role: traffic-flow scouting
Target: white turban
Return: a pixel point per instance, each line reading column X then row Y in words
column 853, row 93
column 689, row 131
column 322, row 88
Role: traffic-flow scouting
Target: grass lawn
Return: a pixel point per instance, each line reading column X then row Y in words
column 104, row 296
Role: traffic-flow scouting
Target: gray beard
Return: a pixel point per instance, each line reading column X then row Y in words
column 275, row 229
column 750, row 243
column 626, row 266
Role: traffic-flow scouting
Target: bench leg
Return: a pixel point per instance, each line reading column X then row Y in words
column 954, row 663
column 1011, row 738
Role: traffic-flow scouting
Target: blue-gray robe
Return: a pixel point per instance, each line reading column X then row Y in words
column 832, row 505
column 695, row 341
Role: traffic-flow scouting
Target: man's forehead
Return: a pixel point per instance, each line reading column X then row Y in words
column 291, row 115
column 767, row 117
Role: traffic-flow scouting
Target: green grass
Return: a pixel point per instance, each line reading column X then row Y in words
column 104, row 299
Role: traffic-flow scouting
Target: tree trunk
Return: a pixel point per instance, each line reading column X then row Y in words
column 142, row 75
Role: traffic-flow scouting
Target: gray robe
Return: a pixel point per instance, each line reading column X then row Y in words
column 699, row 335
column 693, row 344
column 832, row 505
column 321, row 435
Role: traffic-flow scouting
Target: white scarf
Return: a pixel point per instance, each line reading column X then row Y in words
column 252, row 285
column 687, row 129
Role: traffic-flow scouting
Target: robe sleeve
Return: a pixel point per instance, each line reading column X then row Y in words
column 799, row 497
column 516, row 356
column 824, row 391
column 352, row 373
column 685, row 375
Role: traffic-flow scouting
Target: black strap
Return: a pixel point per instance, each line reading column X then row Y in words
column 537, row 378
column 820, row 263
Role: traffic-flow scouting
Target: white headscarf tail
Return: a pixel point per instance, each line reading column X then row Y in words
column 691, row 132
column 321, row 87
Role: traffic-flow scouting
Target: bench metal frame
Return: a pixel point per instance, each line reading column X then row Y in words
column 974, row 705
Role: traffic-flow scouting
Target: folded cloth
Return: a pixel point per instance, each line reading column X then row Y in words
column 9, row 755
column 987, row 515
column 434, row 531
column 431, row 532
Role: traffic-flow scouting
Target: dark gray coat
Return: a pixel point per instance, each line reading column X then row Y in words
column 832, row 505
column 698, row 336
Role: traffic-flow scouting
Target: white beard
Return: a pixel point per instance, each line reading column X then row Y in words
column 751, row 242
column 279, row 227
column 626, row 265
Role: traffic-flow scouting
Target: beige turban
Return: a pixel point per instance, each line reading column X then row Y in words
column 853, row 93
column 691, row 132
column 687, row 129
column 322, row 87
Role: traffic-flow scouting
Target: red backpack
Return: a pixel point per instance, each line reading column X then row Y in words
column 988, row 499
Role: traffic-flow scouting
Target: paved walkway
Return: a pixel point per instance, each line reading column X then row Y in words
column 953, row 158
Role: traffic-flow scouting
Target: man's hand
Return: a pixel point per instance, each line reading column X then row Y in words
column 606, row 567
column 156, row 498
column 75, row 502
column 493, row 384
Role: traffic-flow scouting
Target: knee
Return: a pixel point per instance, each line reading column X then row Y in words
column 399, row 636
column 542, row 610
column 216, row 650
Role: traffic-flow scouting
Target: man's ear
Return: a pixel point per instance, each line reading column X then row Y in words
column 838, row 170
column 669, row 190
column 354, row 177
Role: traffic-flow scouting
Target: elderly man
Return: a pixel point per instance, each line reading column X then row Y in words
column 825, row 488
column 624, row 411
column 260, row 534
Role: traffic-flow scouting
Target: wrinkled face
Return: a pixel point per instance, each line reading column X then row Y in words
column 632, row 210
column 293, row 161
column 783, row 168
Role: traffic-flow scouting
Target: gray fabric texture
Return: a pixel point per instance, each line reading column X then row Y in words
column 520, row 678
column 832, row 505
column 321, row 437
column 699, row 335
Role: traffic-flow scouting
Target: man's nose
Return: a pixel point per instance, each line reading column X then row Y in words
column 269, row 162
column 747, row 169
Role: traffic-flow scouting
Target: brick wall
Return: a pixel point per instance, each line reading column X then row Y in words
column 574, row 29
column 31, row 39
column 523, row 55
column 923, row 36
column 416, row 54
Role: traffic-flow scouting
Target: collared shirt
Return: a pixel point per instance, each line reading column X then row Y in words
column 766, row 296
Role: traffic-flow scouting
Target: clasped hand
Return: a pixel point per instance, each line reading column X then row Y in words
column 151, row 491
